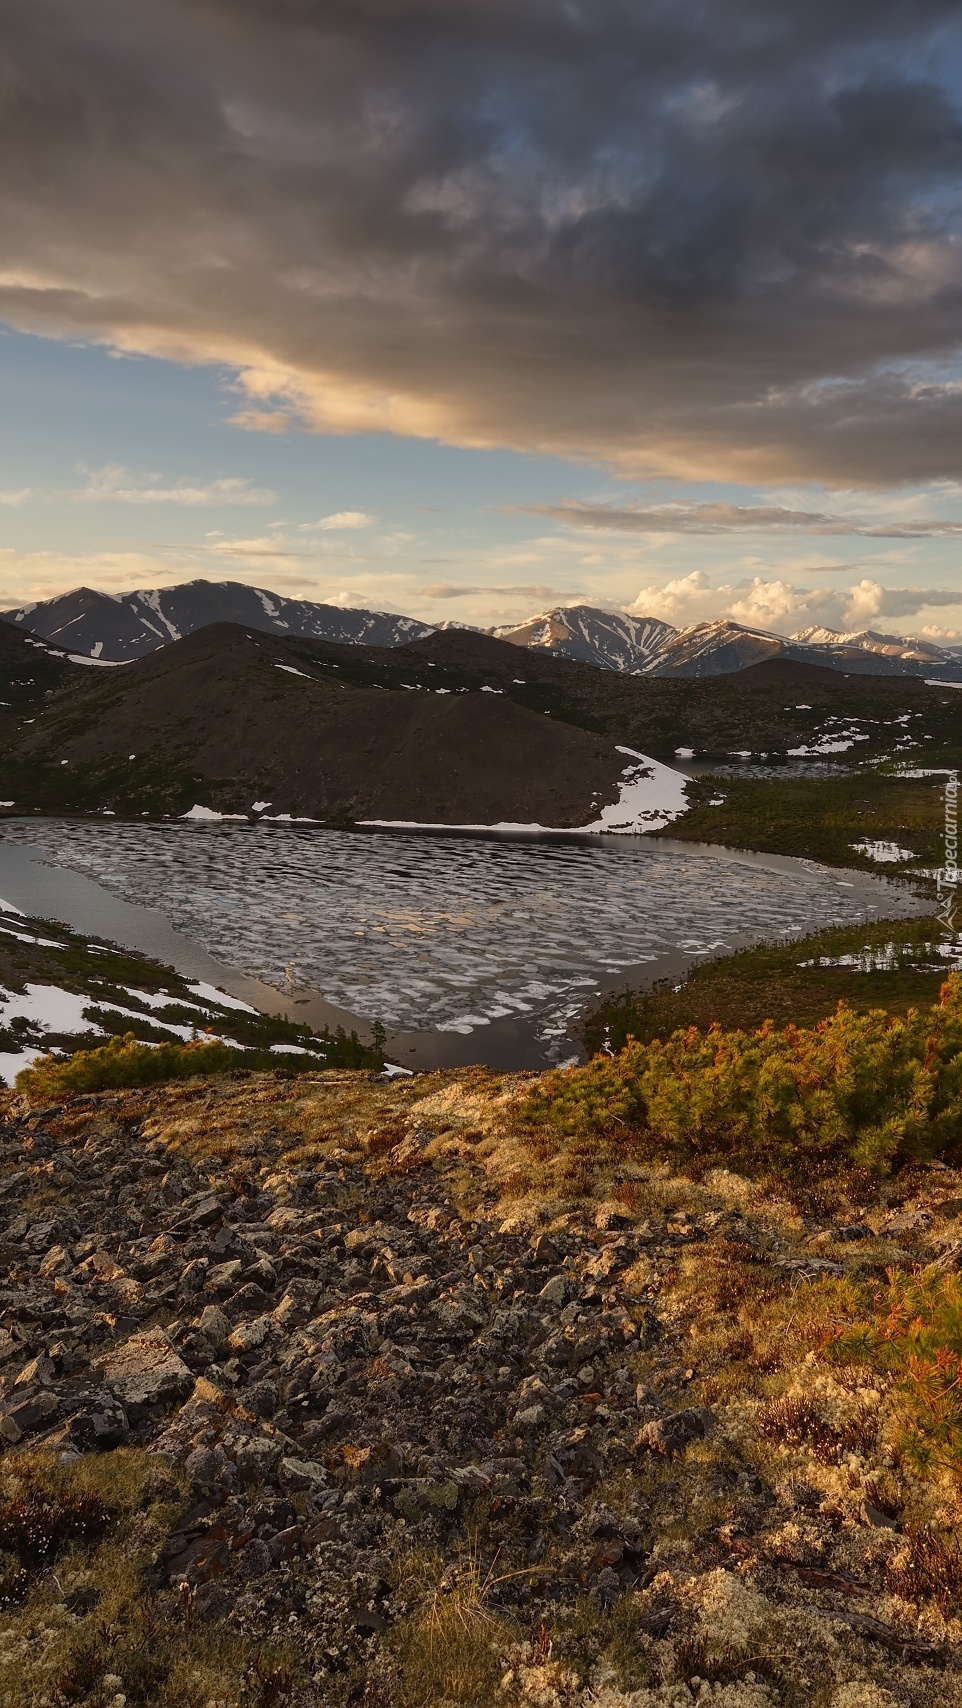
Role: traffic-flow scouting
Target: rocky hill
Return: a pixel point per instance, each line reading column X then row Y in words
column 229, row 717
column 717, row 649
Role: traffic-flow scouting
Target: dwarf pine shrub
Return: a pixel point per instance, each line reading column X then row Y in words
column 912, row 1330
column 868, row 1090
column 123, row 1062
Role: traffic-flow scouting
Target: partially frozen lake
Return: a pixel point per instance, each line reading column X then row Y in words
column 452, row 933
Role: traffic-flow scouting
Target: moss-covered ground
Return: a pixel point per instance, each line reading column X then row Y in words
column 890, row 964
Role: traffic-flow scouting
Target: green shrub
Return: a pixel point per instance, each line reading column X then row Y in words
column 122, row 1061
column 870, row 1090
column 913, row 1331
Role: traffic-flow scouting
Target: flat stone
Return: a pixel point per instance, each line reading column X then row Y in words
column 206, row 1393
column 554, row 1292
column 40, row 1369
column 55, row 1262
column 530, row 1418
column 207, row 1211
column 223, row 1278
column 247, row 1336
column 213, row 1323
column 99, row 1427
column 255, row 1455
column 297, row 1305
column 670, row 1434
column 24, row 1418
column 302, row 1474
column 146, row 1371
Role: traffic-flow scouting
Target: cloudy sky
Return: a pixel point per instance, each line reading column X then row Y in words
column 469, row 307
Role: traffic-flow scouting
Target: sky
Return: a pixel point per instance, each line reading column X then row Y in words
column 469, row 308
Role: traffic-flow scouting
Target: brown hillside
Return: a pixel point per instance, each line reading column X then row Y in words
column 239, row 712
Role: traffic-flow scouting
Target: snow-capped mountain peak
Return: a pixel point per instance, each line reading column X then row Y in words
column 611, row 640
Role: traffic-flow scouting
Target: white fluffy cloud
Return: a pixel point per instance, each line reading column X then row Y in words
column 783, row 607
column 349, row 519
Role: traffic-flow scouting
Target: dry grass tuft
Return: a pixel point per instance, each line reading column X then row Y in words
column 452, row 1649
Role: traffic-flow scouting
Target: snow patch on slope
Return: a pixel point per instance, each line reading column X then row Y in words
column 48, row 1008
column 199, row 813
column 651, row 795
column 886, row 853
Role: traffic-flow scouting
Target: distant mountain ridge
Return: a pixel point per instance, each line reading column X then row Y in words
column 647, row 646
column 119, row 627
column 716, row 649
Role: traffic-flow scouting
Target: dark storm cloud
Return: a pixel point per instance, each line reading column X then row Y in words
column 703, row 237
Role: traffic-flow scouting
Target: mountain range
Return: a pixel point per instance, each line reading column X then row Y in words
column 115, row 628
column 118, row 626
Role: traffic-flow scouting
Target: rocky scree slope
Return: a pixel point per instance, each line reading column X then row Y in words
column 398, row 1438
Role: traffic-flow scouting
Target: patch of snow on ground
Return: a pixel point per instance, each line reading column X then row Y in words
column 27, row 937
column 186, row 1033
column 7, row 906
column 887, row 853
column 48, row 1006
column 891, row 957
column 210, row 993
column 199, row 812
column 825, row 747
column 159, row 999
column 12, row 1062
column 292, row 672
column 652, row 794
column 105, row 663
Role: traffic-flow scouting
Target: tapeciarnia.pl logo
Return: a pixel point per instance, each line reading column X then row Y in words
column 947, row 879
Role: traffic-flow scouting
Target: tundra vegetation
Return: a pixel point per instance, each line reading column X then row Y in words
column 635, row 1385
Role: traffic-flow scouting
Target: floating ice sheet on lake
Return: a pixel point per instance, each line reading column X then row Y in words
column 432, row 933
